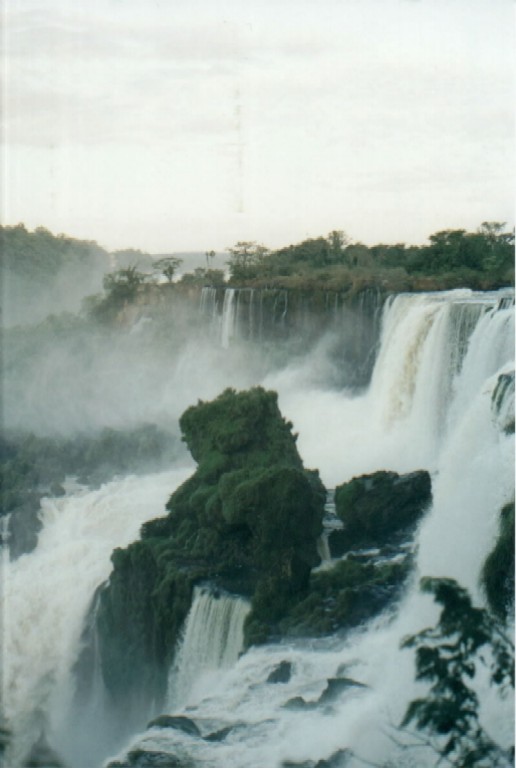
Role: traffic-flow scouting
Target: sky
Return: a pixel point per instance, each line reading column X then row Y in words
column 176, row 125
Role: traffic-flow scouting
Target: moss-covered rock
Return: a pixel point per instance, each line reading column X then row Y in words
column 247, row 520
column 498, row 569
column 345, row 596
column 377, row 508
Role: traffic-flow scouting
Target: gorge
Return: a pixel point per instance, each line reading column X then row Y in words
column 392, row 390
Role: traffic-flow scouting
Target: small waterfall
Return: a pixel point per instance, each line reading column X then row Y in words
column 229, row 317
column 213, row 639
column 209, row 303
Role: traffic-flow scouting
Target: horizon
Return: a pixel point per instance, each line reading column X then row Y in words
column 188, row 129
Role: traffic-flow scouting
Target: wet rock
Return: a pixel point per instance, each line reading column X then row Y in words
column 345, row 596
column 24, row 527
column 376, row 508
column 281, row 674
column 179, row 722
column 339, row 759
column 298, row 703
column 250, row 515
column 336, row 686
column 220, row 735
column 498, row 569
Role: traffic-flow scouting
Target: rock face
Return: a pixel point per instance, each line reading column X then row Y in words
column 377, row 508
column 498, row 569
column 248, row 520
column 379, row 513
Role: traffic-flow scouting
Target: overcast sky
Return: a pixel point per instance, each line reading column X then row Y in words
column 173, row 125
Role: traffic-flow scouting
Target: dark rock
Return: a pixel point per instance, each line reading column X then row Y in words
column 56, row 489
column 338, row 760
column 249, row 516
column 345, row 596
column 179, row 722
column 220, row 735
column 24, row 527
column 376, row 508
column 335, row 687
column 298, row 703
column 281, row 674
column 498, row 568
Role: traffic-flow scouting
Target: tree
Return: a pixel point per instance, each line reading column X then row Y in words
column 498, row 245
column 447, row 656
column 337, row 240
column 123, row 282
column 210, row 255
column 167, row 266
column 244, row 259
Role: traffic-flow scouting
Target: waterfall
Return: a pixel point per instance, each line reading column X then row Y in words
column 208, row 305
column 213, row 638
column 441, row 391
column 441, row 398
column 229, row 316
column 48, row 593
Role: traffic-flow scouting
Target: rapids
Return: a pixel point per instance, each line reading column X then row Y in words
column 429, row 405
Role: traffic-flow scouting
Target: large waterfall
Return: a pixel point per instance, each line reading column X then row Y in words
column 48, row 594
column 432, row 403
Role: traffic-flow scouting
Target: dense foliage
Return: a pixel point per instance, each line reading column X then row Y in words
column 453, row 258
column 375, row 508
column 247, row 520
column 41, row 254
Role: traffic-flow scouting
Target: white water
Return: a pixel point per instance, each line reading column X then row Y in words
column 429, row 406
column 212, row 640
column 435, row 349
column 48, row 593
column 229, row 312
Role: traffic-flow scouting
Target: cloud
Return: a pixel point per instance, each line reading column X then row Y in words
column 271, row 104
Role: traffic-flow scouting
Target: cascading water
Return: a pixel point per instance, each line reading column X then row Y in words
column 438, row 400
column 48, row 593
column 213, row 639
column 434, row 349
column 229, row 314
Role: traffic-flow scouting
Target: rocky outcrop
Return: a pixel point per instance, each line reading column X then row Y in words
column 377, row 509
column 248, row 520
column 379, row 513
column 498, row 569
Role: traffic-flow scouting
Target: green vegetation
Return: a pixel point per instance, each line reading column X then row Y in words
column 167, row 266
column 453, row 258
column 345, row 596
column 375, row 508
column 448, row 657
column 498, row 569
column 41, row 255
column 247, row 520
